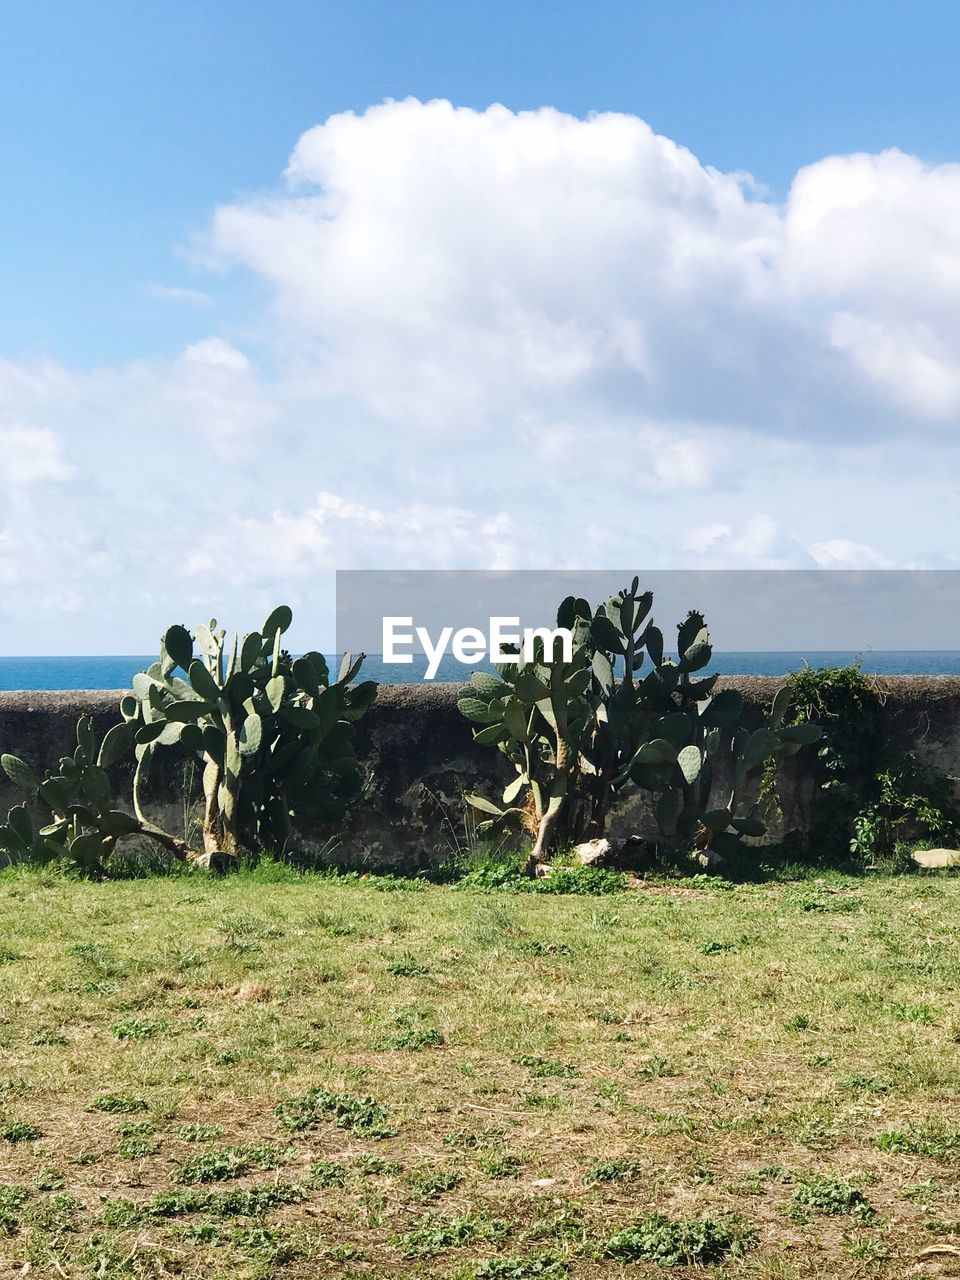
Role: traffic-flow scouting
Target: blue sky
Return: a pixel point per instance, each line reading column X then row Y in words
column 462, row 337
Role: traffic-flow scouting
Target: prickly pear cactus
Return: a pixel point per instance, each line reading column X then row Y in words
column 274, row 733
column 566, row 726
column 85, row 827
column 577, row 733
column 693, row 724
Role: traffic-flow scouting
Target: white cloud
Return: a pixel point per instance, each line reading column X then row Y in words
column 841, row 553
column 456, row 264
column 334, row 532
column 30, row 455
column 758, row 542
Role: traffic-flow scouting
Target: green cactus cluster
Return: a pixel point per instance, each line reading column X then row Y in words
column 693, row 724
column 86, row 827
column 274, row 733
column 578, row 732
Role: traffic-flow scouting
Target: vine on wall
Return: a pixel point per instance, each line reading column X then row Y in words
column 875, row 803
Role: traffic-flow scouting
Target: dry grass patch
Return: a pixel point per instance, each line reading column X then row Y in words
column 299, row 1077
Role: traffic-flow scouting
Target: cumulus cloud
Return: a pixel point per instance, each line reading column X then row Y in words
column 457, row 263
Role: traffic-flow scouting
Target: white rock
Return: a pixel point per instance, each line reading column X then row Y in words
column 593, row 853
column 708, row 858
column 933, row 858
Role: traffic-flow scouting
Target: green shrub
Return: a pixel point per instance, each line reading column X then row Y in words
column 873, row 802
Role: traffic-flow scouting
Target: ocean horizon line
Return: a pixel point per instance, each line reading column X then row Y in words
column 114, row 672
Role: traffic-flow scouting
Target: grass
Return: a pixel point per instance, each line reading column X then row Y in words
column 280, row 1076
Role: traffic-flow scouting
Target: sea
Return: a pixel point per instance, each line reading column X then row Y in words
column 117, row 672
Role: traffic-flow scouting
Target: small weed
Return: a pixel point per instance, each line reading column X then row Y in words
column 229, row 1162
column 838, row 906
column 863, row 1084
column 922, row 1142
column 119, row 1103
column 58, row 1213
column 18, row 1131
column 439, row 1235
column 327, row 1173
column 234, row 927
column 656, row 1068
column 345, row 1253
column 99, row 960
column 702, row 881
column 137, row 1029
column 251, row 1202
column 542, row 1068
column 829, row 1196
column 503, row 1166
column 199, row 1132
column 690, row 1242
column 371, row 1165
column 866, row 1248
column 333, row 926
column 428, row 1185
column 540, row 948
column 543, row 1101
column 411, row 1038
column 800, row 1022
column 615, row 1171
column 580, row 880
column 135, row 1139
column 358, row 1115
column 12, row 1199
column 925, row 1014
column 408, row 966
column 472, row 1140
column 545, row 1268
column 52, row 1039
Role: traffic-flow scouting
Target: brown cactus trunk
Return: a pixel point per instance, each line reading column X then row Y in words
column 219, row 841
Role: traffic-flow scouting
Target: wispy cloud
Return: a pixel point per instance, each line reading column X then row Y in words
column 179, row 294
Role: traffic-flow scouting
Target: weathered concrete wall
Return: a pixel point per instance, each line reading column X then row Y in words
column 421, row 758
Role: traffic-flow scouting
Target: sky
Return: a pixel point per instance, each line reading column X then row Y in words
column 290, row 287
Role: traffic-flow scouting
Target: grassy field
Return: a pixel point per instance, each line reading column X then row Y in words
column 267, row 1075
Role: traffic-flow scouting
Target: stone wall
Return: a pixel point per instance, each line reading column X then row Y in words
column 421, row 758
